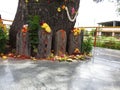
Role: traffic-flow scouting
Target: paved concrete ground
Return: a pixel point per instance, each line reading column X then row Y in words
column 102, row 72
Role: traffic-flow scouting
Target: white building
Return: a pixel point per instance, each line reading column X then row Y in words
column 110, row 28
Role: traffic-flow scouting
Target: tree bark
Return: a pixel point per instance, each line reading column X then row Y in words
column 47, row 10
column 19, row 20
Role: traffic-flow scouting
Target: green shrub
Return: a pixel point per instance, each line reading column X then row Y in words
column 108, row 42
column 99, row 44
column 117, row 45
column 3, row 40
column 87, row 45
column 34, row 27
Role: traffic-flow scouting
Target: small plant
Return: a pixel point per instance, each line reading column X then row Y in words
column 3, row 40
column 87, row 45
column 34, row 23
column 34, row 27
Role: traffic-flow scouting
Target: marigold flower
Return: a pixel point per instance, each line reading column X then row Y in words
column 63, row 6
column 46, row 27
column 59, row 9
column 26, row 1
column 24, row 28
column 76, row 50
column 76, row 31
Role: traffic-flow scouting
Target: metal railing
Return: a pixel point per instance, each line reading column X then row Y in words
column 7, row 20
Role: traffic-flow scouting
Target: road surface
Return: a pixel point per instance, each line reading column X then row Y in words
column 102, row 72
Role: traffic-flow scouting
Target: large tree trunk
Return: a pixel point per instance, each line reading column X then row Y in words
column 47, row 10
column 19, row 20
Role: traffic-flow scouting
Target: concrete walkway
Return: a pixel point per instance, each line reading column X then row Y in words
column 102, row 72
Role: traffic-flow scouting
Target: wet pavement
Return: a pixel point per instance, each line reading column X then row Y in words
column 102, row 72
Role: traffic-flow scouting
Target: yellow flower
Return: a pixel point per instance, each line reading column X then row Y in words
column 79, row 31
column 4, row 57
column 63, row 6
column 46, row 27
column 76, row 50
column 26, row 1
column 76, row 31
column 37, row 0
column 59, row 9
